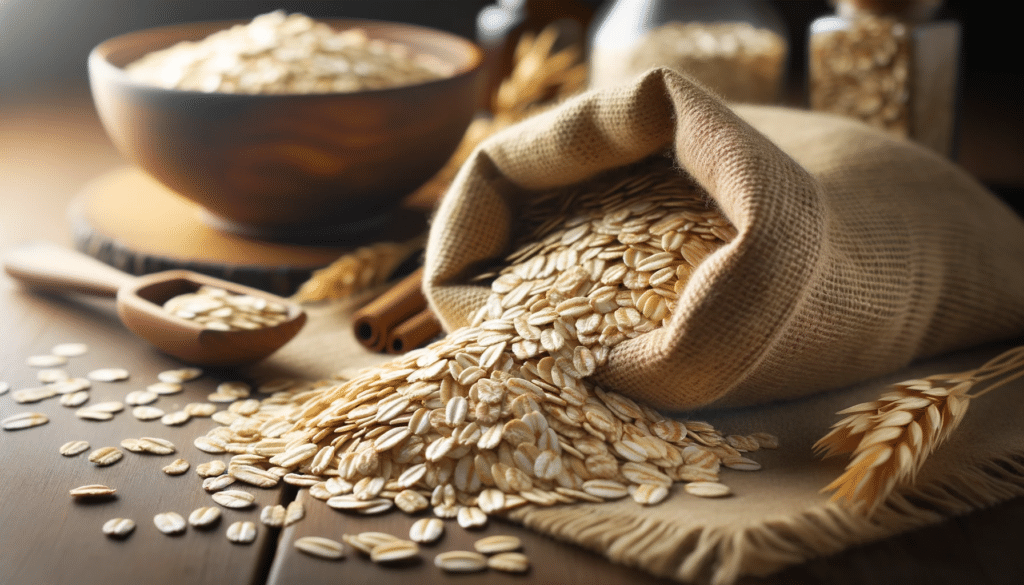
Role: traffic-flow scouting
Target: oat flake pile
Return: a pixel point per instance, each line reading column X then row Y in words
column 286, row 53
column 502, row 413
column 823, row 257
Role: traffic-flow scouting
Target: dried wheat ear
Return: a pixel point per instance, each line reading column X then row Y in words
column 357, row 271
column 890, row 439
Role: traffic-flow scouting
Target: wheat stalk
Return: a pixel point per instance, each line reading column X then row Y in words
column 539, row 79
column 537, row 73
column 357, row 271
column 890, row 438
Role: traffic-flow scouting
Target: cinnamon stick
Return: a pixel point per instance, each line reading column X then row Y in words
column 373, row 322
column 413, row 332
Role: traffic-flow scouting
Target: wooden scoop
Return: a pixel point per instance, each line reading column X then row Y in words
column 140, row 299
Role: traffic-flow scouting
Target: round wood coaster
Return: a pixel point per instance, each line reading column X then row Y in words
column 129, row 220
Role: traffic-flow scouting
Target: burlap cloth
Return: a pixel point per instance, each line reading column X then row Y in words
column 819, row 304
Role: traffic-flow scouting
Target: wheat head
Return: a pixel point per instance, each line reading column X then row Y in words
column 357, row 271
column 889, row 439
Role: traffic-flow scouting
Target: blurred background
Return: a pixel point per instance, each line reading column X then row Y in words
column 44, row 44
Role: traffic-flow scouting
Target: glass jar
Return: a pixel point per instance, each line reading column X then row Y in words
column 886, row 63
column 736, row 48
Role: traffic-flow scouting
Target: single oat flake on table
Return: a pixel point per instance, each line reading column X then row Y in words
column 846, row 255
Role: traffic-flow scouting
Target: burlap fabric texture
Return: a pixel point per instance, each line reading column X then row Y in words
column 857, row 252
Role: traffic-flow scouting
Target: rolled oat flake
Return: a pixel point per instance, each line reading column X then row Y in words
column 169, row 522
column 322, row 547
column 242, row 532
column 234, row 498
column 69, row 349
column 108, row 375
column 24, row 420
column 118, row 527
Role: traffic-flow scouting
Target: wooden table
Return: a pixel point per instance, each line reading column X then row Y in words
column 48, row 150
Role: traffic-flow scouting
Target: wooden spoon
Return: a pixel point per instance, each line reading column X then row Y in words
column 140, row 299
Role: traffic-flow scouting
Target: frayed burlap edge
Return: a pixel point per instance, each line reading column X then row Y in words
column 721, row 555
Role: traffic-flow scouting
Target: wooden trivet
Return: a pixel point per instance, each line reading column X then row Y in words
column 129, row 220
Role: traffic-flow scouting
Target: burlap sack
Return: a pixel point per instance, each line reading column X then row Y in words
column 857, row 252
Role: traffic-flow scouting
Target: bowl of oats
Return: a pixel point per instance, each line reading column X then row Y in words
column 284, row 125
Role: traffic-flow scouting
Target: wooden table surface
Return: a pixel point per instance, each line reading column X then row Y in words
column 48, row 151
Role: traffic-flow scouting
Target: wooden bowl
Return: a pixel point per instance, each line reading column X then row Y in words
column 270, row 165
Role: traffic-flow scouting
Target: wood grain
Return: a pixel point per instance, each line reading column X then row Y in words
column 129, row 220
column 47, row 534
column 553, row 562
